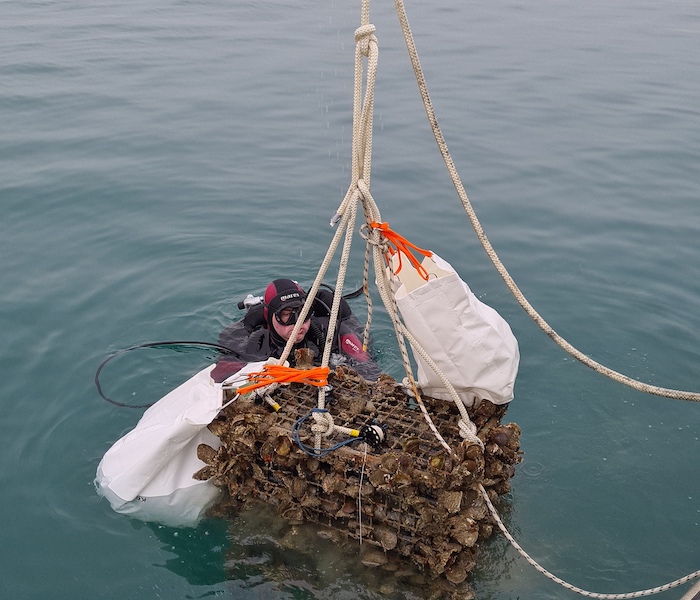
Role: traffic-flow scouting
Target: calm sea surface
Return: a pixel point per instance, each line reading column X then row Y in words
column 160, row 160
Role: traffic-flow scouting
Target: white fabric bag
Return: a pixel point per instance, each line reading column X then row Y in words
column 468, row 340
column 147, row 474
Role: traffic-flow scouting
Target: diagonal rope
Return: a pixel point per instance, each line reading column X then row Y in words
column 677, row 394
column 573, row 588
column 454, row 175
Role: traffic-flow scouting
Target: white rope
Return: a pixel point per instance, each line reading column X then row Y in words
column 568, row 586
column 467, row 430
column 399, row 328
column 366, row 46
column 231, row 401
column 359, row 190
column 323, row 424
column 481, row 235
column 314, row 288
column 651, row 389
column 693, row 593
column 374, row 238
column 363, row 112
column 359, row 493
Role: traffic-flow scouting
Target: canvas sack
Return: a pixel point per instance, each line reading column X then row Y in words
column 147, row 474
column 469, row 341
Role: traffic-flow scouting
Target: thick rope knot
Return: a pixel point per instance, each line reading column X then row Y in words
column 467, row 430
column 407, row 387
column 373, row 238
column 323, row 423
column 400, row 245
column 363, row 36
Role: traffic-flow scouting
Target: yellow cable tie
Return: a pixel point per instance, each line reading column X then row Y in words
column 354, row 433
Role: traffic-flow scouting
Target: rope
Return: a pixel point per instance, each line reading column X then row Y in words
column 323, row 423
column 359, row 493
column 381, row 236
column 328, row 428
column 363, row 110
column 400, row 245
column 315, row 287
column 359, row 191
column 693, row 593
column 454, row 175
column 273, row 374
column 677, row 394
column 573, row 588
column 380, row 249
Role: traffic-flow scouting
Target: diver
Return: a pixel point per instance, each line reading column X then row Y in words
column 266, row 328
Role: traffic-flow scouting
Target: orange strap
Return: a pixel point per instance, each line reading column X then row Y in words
column 402, row 246
column 317, row 376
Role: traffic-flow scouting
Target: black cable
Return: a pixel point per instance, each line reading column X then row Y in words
column 354, row 294
column 373, row 434
column 308, row 450
column 347, row 296
column 222, row 349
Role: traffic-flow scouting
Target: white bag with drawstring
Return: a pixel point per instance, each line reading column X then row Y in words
column 147, row 474
column 469, row 341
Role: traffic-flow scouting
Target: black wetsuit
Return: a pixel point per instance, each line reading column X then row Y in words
column 252, row 339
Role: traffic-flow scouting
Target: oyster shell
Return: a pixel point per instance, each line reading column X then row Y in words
column 451, row 501
column 206, row 454
column 464, row 530
column 386, row 537
column 373, row 558
column 283, row 445
column 304, row 358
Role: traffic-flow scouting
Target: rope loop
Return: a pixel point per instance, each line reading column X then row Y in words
column 401, row 246
column 467, row 430
column 363, row 36
column 323, row 422
column 379, row 242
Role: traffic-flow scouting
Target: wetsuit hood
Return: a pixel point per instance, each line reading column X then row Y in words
column 282, row 293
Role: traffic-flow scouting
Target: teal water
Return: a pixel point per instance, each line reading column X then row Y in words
column 159, row 161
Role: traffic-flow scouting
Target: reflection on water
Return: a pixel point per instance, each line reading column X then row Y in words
column 301, row 561
column 199, row 553
column 265, row 553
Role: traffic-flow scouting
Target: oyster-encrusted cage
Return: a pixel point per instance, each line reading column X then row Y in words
column 408, row 498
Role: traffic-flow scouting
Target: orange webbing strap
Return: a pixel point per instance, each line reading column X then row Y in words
column 317, row 376
column 402, row 246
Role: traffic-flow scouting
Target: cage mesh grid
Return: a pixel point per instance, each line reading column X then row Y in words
column 417, row 501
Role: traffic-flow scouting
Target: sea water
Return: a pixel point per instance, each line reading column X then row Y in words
column 161, row 160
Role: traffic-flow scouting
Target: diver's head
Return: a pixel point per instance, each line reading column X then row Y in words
column 284, row 300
